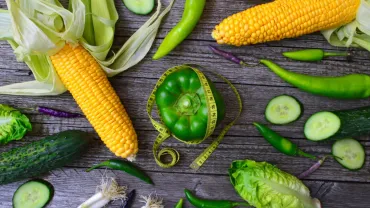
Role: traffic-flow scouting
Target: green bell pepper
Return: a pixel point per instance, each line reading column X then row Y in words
column 182, row 105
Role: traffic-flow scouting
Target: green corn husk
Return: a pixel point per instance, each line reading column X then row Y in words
column 104, row 18
column 89, row 34
column 39, row 28
column 356, row 33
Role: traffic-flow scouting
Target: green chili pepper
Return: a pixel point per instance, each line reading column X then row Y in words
column 206, row 203
column 353, row 86
column 182, row 105
column 192, row 12
column 179, row 204
column 124, row 166
column 312, row 54
column 280, row 143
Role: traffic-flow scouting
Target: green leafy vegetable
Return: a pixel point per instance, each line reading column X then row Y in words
column 264, row 185
column 13, row 124
column 356, row 33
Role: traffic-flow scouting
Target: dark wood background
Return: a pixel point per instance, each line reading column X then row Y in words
column 332, row 184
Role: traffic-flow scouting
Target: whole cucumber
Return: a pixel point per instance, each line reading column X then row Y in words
column 354, row 122
column 42, row 156
column 338, row 124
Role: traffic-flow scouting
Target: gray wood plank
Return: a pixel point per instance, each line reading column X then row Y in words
column 169, row 186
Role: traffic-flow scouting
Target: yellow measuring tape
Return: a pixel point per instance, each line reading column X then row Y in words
column 164, row 133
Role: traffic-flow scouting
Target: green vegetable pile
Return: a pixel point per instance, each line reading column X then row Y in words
column 189, row 105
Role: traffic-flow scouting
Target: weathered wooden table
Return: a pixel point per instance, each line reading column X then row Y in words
column 332, row 184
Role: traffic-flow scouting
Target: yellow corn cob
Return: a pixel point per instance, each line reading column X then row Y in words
column 284, row 19
column 89, row 86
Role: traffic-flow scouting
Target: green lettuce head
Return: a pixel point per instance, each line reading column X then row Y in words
column 13, row 124
column 265, row 186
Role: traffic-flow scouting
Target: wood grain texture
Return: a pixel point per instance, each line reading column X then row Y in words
column 333, row 185
column 170, row 186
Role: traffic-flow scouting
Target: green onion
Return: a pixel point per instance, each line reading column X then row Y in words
column 107, row 191
column 152, row 201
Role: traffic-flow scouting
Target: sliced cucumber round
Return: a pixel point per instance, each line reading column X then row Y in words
column 283, row 109
column 321, row 126
column 349, row 153
column 33, row 194
column 141, row 7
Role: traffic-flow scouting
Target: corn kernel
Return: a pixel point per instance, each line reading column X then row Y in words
column 89, row 86
column 284, row 19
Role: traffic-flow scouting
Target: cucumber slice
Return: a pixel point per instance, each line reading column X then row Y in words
column 141, row 7
column 33, row 194
column 321, row 125
column 283, row 109
column 349, row 153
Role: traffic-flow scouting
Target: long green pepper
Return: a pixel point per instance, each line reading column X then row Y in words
column 180, row 203
column 312, row 54
column 353, row 86
column 280, row 143
column 206, row 203
column 192, row 12
column 125, row 166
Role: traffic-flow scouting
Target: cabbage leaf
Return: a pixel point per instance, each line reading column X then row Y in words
column 265, row 186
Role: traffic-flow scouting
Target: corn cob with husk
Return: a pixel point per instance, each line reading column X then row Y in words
column 77, row 52
column 284, row 19
column 89, row 86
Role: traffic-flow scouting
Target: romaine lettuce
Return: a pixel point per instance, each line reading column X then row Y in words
column 265, row 186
